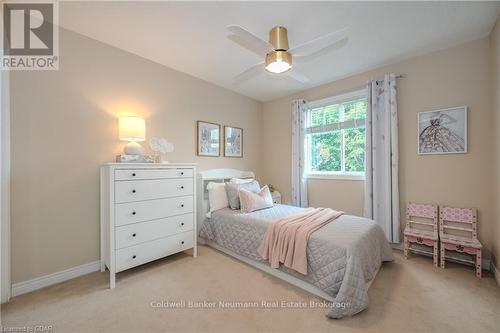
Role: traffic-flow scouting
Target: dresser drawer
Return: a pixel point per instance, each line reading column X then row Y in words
column 140, row 254
column 132, row 174
column 140, row 211
column 136, row 233
column 137, row 190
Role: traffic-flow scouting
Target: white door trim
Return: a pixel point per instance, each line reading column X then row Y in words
column 5, row 259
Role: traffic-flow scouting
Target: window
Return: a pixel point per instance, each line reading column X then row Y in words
column 335, row 137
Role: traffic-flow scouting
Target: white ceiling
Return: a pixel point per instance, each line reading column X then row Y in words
column 192, row 38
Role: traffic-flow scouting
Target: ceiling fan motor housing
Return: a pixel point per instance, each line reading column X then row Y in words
column 278, row 38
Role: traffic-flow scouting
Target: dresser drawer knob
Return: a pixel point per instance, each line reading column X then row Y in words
column 182, row 223
column 182, row 205
column 182, row 173
column 182, row 242
column 133, row 213
column 134, row 256
column 133, row 235
column 181, row 187
column 133, row 191
column 133, row 175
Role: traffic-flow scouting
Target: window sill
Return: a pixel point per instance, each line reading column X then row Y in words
column 335, row 176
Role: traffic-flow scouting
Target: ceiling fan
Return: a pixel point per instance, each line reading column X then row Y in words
column 278, row 55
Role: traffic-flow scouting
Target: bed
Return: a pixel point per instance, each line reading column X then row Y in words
column 343, row 256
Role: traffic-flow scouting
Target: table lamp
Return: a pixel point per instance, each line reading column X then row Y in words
column 132, row 129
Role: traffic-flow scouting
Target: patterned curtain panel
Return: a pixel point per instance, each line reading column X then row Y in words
column 381, row 184
column 299, row 182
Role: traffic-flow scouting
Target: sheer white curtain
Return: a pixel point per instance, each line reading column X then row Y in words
column 299, row 183
column 381, row 184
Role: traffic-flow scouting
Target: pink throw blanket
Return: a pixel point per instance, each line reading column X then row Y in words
column 286, row 239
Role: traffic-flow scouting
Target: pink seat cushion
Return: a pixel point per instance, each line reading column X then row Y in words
column 254, row 201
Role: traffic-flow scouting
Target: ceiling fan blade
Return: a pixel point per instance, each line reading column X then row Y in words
column 319, row 43
column 297, row 76
column 249, row 73
column 248, row 40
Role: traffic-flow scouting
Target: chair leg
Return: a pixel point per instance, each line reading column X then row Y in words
column 435, row 255
column 478, row 263
column 406, row 245
column 442, row 256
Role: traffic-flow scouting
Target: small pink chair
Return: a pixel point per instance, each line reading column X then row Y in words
column 458, row 232
column 422, row 228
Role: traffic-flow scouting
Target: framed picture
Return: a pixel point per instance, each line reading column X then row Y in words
column 442, row 131
column 208, row 139
column 233, row 141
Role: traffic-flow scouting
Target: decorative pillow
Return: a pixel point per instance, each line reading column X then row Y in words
column 241, row 180
column 217, row 197
column 232, row 190
column 251, row 202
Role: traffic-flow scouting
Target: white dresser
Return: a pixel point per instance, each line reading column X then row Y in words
column 147, row 212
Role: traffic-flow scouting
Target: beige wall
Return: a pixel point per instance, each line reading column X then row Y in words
column 495, row 65
column 64, row 126
column 340, row 194
column 453, row 77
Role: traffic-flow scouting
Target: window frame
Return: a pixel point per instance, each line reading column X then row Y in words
column 338, row 175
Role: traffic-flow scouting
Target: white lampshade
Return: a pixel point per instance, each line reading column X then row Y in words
column 132, row 129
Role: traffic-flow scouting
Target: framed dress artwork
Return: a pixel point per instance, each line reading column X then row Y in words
column 233, row 141
column 208, row 135
column 442, row 131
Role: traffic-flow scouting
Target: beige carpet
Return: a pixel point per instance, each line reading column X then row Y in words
column 406, row 296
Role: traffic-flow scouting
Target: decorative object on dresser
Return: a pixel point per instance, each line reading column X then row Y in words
column 443, row 131
column 147, row 212
column 233, row 141
column 161, row 147
column 135, row 158
column 208, row 135
column 458, row 233
column 421, row 230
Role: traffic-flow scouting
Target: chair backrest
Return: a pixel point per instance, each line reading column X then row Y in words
column 422, row 216
column 456, row 221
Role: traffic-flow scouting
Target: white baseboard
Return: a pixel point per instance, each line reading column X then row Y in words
column 496, row 273
column 54, row 278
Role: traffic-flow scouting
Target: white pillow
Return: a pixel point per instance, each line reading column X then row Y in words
column 241, row 180
column 251, row 202
column 217, row 197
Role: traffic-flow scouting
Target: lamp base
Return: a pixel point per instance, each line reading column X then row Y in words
column 133, row 148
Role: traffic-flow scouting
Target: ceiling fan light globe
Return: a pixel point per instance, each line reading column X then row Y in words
column 278, row 67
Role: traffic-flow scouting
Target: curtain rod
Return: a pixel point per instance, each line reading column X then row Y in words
column 399, row 76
